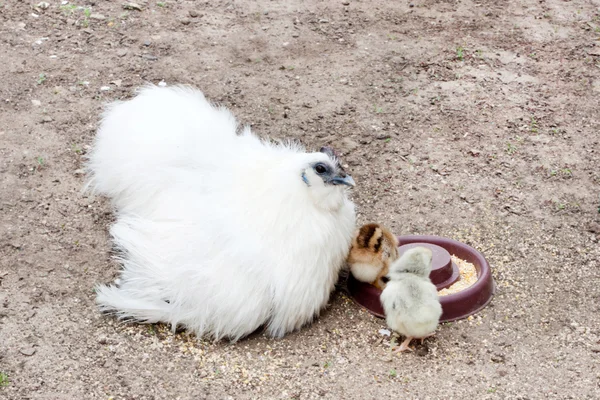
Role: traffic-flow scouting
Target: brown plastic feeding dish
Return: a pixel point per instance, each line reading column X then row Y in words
column 444, row 272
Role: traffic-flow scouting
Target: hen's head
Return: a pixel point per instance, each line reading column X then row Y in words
column 325, row 179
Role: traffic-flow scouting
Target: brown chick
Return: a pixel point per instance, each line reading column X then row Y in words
column 374, row 248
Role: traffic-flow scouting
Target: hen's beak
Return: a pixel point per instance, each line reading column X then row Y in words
column 343, row 180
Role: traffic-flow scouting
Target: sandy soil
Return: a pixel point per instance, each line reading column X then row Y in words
column 475, row 120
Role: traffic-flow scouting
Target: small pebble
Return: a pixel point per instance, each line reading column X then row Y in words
column 28, row 351
column 47, row 119
column 104, row 88
column 346, row 3
column 147, row 43
column 193, row 13
column 185, row 21
column 132, row 6
column 149, row 57
column 122, row 52
column 36, row 103
column 98, row 17
column 162, row 83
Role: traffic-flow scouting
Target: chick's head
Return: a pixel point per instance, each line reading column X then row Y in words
column 416, row 260
column 375, row 241
column 373, row 248
column 325, row 179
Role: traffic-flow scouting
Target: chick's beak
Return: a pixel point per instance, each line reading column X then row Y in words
column 343, row 180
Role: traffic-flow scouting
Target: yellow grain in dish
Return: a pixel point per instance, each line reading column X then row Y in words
column 468, row 276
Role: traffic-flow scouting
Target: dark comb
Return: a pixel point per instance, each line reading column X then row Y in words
column 329, row 151
column 332, row 154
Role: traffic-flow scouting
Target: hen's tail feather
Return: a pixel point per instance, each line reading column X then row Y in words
column 124, row 305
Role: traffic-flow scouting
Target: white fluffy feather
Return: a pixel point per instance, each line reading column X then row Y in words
column 217, row 232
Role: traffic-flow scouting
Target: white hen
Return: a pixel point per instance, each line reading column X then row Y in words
column 218, row 232
column 410, row 301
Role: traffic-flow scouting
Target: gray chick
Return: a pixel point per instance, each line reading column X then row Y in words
column 410, row 300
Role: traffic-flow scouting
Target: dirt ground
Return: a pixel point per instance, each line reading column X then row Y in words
column 475, row 120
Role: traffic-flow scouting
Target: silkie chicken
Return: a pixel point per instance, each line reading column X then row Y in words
column 374, row 247
column 410, row 300
column 217, row 231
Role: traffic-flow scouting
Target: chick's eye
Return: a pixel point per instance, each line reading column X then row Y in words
column 320, row 168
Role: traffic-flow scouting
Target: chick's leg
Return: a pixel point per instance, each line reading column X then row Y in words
column 425, row 337
column 403, row 346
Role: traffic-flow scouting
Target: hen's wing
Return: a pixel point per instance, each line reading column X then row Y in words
column 144, row 144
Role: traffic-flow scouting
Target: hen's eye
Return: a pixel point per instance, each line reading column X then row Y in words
column 320, row 168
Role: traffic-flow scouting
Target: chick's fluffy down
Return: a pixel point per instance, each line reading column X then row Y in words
column 215, row 230
column 411, row 306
